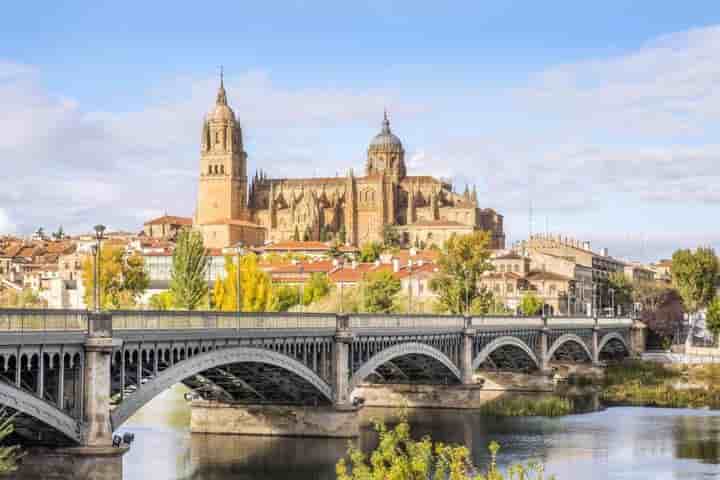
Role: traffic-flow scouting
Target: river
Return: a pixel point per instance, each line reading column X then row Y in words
column 617, row 443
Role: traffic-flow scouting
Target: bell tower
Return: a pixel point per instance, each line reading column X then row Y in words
column 222, row 191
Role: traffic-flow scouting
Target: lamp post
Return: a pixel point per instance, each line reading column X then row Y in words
column 240, row 252
column 612, row 301
column 99, row 236
column 302, row 288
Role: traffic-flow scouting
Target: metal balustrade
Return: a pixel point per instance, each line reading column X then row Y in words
column 405, row 321
column 39, row 320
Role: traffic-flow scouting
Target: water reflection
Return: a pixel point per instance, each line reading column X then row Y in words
column 619, row 443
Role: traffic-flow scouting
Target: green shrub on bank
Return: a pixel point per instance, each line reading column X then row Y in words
column 549, row 406
column 400, row 457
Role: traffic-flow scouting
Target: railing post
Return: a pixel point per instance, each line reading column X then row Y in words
column 341, row 362
column 98, row 355
column 543, row 357
column 466, row 355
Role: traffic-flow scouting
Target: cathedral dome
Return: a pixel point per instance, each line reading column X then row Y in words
column 386, row 138
column 221, row 112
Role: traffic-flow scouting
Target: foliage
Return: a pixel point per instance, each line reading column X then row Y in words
column 694, row 275
column 287, row 297
column 547, row 406
column 342, row 234
column 622, row 289
column 256, row 292
column 188, row 280
column 400, row 457
column 26, row 298
column 370, row 252
column 391, row 237
column 331, row 302
column 712, row 317
column 380, row 291
column 162, row 301
column 9, row 455
column 59, row 234
column 530, row 304
column 463, row 259
column 315, row 288
column 121, row 282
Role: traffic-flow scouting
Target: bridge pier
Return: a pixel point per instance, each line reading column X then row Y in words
column 341, row 364
column 595, row 348
column 466, row 354
column 543, row 357
column 96, row 384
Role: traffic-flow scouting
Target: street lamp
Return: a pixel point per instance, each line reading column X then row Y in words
column 302, row 288
column 612, row 301
column 99, row 236
column 410, row 287
column 240, row 252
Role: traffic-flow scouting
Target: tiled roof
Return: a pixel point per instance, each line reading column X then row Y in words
column 297, row 246
column 170, row 220
column 509, row 256
column 538, row 275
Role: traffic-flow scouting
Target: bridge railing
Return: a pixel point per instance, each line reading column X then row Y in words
column 40, row 320
column 507, row 321
column 361, row 320
column 614, row 322
column 180, row 320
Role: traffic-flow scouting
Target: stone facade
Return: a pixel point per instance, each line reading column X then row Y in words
column 352, row 209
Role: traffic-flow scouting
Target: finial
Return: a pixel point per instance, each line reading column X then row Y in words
column 221, row 77
column 386, row 122
column 221, row 96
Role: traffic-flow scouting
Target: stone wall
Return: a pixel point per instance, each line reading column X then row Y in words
column 281, row 420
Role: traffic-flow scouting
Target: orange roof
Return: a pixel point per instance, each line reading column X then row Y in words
column 509, row 256
column 501, row 276
column 170, row 220
column 538, row 275
column 305, row 267
column 295, row 245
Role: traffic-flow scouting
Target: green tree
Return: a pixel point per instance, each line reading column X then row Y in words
column 188, row 280
column 9, row 455
column 342, row 234
column 256, row 292
column 694, row 275
column 370, row 251
column 399, row 457
column 530, row 304
column 380, row 292
column 25, row 298
column 287, row 297
column 315, row 288
column 59, row 234
column 463, row 259
column 122, row 279
column 622, row 289
column 162, row 301
column 712, row 317
column 391, row 237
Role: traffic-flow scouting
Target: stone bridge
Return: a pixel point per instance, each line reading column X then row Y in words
column 74, row 377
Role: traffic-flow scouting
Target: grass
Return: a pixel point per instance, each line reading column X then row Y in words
column 651, row 384
column 548, row 406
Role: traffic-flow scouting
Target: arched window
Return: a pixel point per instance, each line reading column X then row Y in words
column 222, row 169
column 209, row 169
column 217, row 137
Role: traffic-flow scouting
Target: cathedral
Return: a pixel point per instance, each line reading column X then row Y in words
column 350, row 209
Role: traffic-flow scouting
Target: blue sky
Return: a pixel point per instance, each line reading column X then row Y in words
column 604, row 113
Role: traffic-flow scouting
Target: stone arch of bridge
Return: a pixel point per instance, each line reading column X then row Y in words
column 500, row 342
column 568, row 337
column 36, row 415
column 612, row 336
column 197, row 365
column 398, row 351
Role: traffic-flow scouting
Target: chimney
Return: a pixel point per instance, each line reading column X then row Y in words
column 413, row 251
column 586, row 245
column 354, row 264
column 396, row 265
column 604, row 252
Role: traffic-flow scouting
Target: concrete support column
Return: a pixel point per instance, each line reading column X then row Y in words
column 98, row 354
column 638, row 338
column 543, row 357
column 341, row 362
column 595, row 343
column 466, row 354
column 61, row 382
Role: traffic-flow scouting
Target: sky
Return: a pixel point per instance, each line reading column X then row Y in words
column 602, row 118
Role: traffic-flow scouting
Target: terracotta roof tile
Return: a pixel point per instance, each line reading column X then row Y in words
column 171, row 220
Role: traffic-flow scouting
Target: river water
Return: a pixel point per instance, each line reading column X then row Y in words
column 618, row 443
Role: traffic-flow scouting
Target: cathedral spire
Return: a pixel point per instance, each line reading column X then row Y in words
column 221, row 96
column 386, row 122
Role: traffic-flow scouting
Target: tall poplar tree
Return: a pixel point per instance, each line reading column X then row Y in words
column 188, row 281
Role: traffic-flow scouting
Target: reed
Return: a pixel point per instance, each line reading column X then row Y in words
column 548, row 406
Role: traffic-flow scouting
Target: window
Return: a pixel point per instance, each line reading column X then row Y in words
column 209, row 169
column 502, row 268
column 517, row 268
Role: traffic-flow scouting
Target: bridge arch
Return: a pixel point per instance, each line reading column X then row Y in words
column 613, row 336
column 401, row 350
column 216, row 358
column 500, row 342
column 32, row 409
column 568, row 337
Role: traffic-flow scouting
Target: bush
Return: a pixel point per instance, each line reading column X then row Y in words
column 550, row 406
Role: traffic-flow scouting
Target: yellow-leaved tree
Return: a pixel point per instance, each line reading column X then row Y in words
column 256, row 292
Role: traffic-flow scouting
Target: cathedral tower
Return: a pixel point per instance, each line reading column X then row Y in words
column 222, row 193
column 386, row 154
